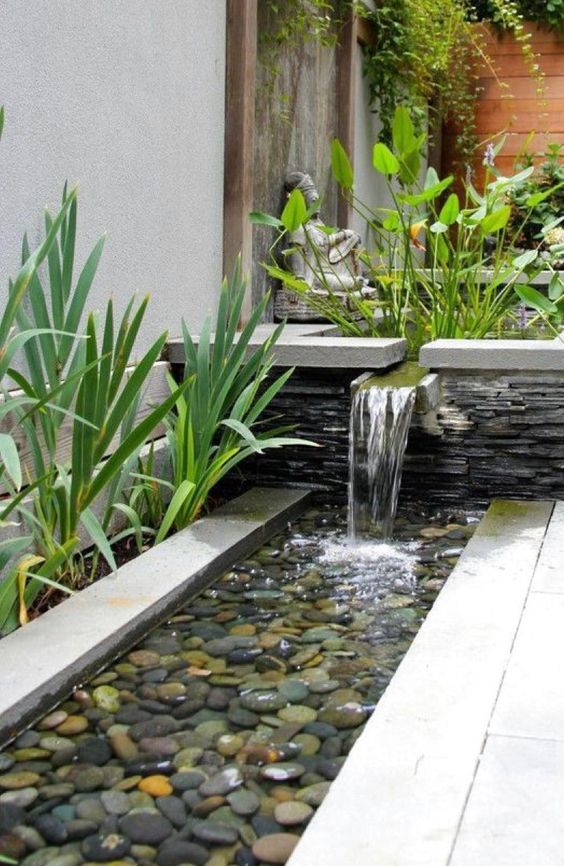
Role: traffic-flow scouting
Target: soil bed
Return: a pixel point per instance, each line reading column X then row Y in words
column 214, row 741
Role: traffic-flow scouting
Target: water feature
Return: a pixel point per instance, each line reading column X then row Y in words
column 215, row 739
column 379, row 426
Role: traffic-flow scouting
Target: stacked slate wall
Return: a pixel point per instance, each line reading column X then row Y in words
column 493, row 434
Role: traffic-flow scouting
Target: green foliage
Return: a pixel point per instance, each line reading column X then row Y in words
column 424, row 57
column 88, row 380
column 549, row 13
column 542, row 193
column 444, row 295
column 421, row 58
column 218, row 418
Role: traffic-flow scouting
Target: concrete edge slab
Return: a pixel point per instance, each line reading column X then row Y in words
column 300, row 346
column 405, row 784
column 549, row 574
column 41, row 663
column 493, row 355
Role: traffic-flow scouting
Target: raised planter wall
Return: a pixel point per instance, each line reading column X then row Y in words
column 493, row 433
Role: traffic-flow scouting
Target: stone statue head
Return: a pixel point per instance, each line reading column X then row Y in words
column 303, row 182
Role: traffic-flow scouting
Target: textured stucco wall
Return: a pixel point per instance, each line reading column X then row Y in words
column 370, row 187
column 127, row 99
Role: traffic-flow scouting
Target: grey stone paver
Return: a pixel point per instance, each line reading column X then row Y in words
column 531, row 699
column 549, row 574
column 401, row 794
column 515, row 816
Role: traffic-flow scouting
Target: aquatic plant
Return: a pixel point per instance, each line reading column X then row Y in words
column 446, row 264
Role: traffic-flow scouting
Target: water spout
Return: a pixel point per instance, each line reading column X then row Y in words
column 379, row 426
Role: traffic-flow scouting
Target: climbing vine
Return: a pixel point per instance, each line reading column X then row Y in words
column 424, row 55
column 548, row 13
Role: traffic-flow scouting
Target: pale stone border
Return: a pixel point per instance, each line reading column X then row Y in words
column 41, row 663
column 543, row 355
column 402, row 793
column 319, row 346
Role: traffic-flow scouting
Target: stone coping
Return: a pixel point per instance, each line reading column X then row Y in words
column 42, row 662
column 541, row 355
column 319, row 346
column 542, row 279
column 447, row 771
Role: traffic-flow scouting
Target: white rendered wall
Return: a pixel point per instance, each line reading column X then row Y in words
column 370, row 186
column 125, row 97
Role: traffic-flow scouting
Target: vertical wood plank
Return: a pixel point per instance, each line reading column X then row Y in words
column 241, row 51
column 346, row 73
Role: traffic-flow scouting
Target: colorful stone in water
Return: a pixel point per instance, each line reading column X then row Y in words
column 156, row 786
column 282, row 772
column 21, row 779
column 263, row 701
column 275, row 848
column 72, row 725
column 270, row 754
column 298, row 714
column 106, row 698
column 292, row 812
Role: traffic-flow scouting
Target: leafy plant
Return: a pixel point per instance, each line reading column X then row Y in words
column 546, row 187
column 462, row 239
column 218, row 418
column 20, row 407
column 549, row 13
column 88, row 380
column 106, row 394
column 425, row 56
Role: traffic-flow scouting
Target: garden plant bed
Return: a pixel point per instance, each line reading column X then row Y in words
column 222, row 731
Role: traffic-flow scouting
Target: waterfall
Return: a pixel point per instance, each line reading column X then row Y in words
column 379, row 425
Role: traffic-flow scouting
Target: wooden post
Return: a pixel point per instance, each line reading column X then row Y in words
column 346, row 74
column 241, row 52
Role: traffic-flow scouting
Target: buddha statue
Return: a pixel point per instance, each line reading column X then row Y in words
column 328, row 263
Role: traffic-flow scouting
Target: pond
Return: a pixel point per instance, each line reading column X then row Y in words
column 214, row 740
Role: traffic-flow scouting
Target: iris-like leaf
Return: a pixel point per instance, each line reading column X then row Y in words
column 265, row 219
column 450, row 210
column 403, row 133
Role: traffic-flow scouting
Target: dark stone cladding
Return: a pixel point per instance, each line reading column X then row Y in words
column 494, row 434
column 498, row 435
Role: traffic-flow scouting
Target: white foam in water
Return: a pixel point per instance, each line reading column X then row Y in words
column 377, row 563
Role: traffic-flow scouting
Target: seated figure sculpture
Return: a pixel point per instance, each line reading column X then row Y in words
column 326, row 262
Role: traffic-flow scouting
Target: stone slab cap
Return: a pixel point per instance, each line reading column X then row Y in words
column 318, row 346
column 493, row 355
column 401, row 794
column 42, row 662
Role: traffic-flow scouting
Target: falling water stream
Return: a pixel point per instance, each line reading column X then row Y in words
column 379, row 425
